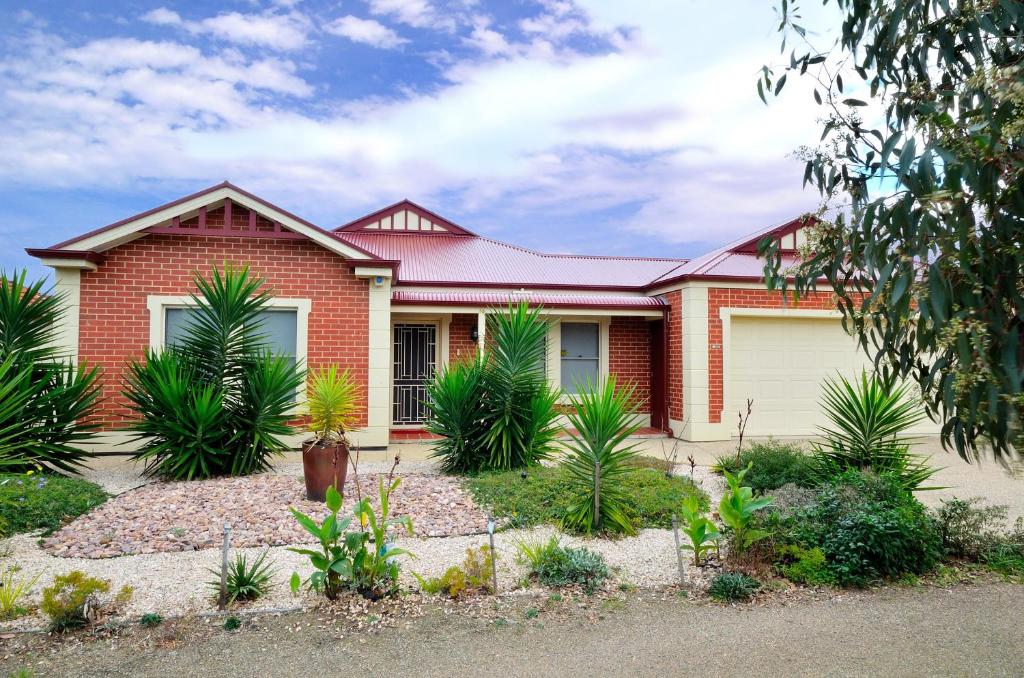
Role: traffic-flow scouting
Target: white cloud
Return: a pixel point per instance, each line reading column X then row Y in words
column 666, row 127
column 366, row 31
column 282, row 32
column 415, row 13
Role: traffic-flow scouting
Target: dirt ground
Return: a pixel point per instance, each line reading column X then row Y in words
column 964, row 630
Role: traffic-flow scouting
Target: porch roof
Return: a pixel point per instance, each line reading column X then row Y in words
column 546, row 299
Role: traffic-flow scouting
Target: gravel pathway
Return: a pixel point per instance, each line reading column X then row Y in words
column 187, row 516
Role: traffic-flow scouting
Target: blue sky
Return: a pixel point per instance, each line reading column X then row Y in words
column 591, row 126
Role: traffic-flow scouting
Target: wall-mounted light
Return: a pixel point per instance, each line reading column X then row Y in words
column 474, row 334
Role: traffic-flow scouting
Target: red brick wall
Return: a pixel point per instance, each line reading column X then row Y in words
column 460, row 346
column 629, row 356
column 675, row 355
column 719, row 298
column 115, row 318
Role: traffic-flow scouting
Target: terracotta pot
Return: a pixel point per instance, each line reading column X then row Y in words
column 324, row 465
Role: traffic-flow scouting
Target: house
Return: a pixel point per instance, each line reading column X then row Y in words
column 397, row 294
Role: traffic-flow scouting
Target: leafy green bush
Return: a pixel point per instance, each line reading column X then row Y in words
column 232, row 623
column 804, row 566
column 475, row 575
column 968, row 528
column 733, row 586
column 45, row 400
column 597, row 453
column 545, row 495
column 218, row 403
column 700, row 530
column 245, row 581
column 496, row 412
column 869, row 421
column 869, row 527
column 347, row 560
column 30, row 502
column 556, row 565
column 737, row 510
column 772, row 465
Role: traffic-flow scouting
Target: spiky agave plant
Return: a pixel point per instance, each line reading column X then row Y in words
column 218, row 403
column 45, row 400
column 869, row 419
column 598, row 452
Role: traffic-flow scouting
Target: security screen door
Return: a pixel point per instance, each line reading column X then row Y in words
column 415, row 358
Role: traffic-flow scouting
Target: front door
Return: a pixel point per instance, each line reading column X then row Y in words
column 415, row 358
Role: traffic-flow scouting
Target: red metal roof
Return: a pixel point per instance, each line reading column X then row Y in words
column 550, row 300
column 439, row 259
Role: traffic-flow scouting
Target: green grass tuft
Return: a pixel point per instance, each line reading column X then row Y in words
column 44, row 502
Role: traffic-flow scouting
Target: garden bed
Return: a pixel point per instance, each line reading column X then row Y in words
column 189, row 516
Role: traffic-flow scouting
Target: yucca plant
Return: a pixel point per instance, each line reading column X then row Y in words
column 332, row 402
column 497, row 411
column 219, row 403
column 598, row 454
column 870, row 417
column 245, row 581
column 518, row 403
column 457, row 414
column 45, row 400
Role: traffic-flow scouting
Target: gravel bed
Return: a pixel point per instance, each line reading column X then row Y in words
column 187, row 516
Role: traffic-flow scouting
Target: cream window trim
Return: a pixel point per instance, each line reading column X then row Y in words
column 158, row 304
column 555, row 348
column 726, row 314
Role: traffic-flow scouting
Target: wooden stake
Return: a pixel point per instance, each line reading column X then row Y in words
column 679, row 550
column 222, row 600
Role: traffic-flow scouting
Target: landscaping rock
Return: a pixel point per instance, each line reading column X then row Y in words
column 184, row 516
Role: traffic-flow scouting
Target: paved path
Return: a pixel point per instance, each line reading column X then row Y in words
column 966, row 631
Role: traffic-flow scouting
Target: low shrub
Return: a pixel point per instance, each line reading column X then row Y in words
column 244, row 581
column 804, row 566
column 232, row 623
column 474, row 576
column 733, row 586
column 30, row 502
column 74, row 600
column 12, row 592
column 151, row 619
column 772, row 465
column 543, row 496
column 968, row 528
column 556, row 565
column 869, row 527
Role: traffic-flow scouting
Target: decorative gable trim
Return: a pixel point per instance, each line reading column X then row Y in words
column 404, row 216
column 791, row 236
column 167, row 219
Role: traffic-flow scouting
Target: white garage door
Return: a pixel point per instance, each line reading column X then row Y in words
column 781, row 363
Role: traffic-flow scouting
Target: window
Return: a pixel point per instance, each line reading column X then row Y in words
column 279, row 327
column 580, row 355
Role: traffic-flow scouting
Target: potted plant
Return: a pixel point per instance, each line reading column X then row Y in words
column 331, row 401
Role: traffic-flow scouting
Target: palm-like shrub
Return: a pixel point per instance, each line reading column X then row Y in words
column 870, row 417
column 598, row 456
column 45, row 400
column 332, row 402
column 497, row 411
column 457, row 413
column 218, row 403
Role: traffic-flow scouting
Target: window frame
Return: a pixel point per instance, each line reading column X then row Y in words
column 554, row 364
column 158, row 305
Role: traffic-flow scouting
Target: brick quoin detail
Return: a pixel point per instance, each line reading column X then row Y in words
column 460, row 346
column 629, row 356
column 115, row 317
column 675, row 355
column 719, row 298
